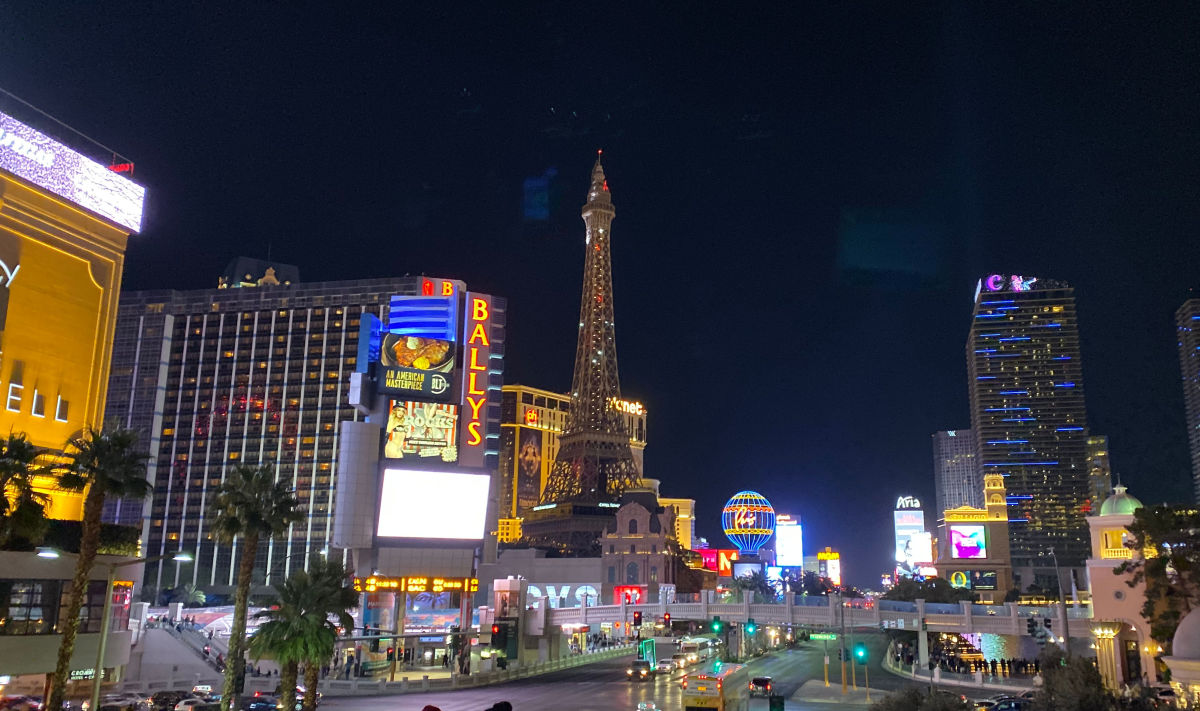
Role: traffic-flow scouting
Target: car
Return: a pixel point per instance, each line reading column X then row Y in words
column 760, row 686
column 197, row 703
column 20, row 703
column 1013, row 705
column 646, row 706
column 665, row 666
column 985, row 705
column 125, row 700
column 680, row 659
column 639, row 670
column 166, row 700
column 202, row 690
column 260, row 702
column 1028, row 695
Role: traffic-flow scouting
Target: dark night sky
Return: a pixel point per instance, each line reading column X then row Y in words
column 804, row 201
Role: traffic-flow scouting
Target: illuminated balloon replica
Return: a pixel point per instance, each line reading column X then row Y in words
column 749, row 521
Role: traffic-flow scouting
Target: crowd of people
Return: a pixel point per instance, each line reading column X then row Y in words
column 949, row 661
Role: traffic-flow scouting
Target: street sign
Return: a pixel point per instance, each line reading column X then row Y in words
column 823, row 635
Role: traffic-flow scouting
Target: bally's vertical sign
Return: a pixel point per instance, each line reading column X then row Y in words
column 482, row 326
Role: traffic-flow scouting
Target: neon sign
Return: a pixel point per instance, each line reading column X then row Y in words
column 440, row 287
column 908, row 502
column 478, row 345
column 1014, row 282
column 531, row 417
column 748, row 520
column 626, row 406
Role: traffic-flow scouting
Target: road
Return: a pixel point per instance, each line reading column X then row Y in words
column 603, row 686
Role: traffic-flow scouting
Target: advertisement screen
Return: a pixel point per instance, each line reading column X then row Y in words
column 416, row 366
column 529, row 467
column 967, row 542
column 50, row 165
column 719, row 560
column 789, row 544
column 744, row 569
column 832, row 570
column 421, row 431
column 973, row 579
column 422, row 504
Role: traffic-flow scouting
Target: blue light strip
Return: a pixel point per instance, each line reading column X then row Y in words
column 1018, row 419
column 1005, row 355
column 988, row 335
column 1014, row 392
column 986, row 350
column 988, row 315
column 985, row 377
column 1061, row 358
column 1047, row 325
column 1069, row 429
column 1007, row 308
column 1002, row 301
column 1008, row 441
column 1021, row 464
column 1010, row 497
column 1007, row 409
column 1015, row 338
column 1065, row 385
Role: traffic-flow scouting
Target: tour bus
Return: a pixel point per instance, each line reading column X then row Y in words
column 698, row 649
column 724, row 687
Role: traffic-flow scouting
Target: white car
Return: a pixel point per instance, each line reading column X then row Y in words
column 193, row 703
column 125, row 700
column 665, row 666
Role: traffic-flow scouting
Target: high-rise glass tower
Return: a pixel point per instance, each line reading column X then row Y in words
column 214, row 378
column 1187, row 322
column 1029, row 418
column 957, row 478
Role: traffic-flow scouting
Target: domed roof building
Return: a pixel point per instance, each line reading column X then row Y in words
column 1124, row 649
column 1184, row 661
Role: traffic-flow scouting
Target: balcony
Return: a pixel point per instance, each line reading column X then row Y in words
column 1116, row 554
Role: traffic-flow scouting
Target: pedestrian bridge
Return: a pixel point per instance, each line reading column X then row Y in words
column 817, row 612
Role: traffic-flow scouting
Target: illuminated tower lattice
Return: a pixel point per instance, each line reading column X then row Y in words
column 594, row 462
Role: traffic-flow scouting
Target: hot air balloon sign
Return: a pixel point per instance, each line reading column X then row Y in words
column 749, row 521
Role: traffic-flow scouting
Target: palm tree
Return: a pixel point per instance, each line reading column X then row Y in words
column 189, row 595
column 22, row 508
column 332, row 596
column 251, row 505
column 755, row 583
column 299, row 630
column 106, row 463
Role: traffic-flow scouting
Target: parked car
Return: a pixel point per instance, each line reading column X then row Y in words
column 260, row 702
column 665, row 666
column 1013, row 705
column 125, row 700
column 760, row 686
column 639, row 670
column 197, row 703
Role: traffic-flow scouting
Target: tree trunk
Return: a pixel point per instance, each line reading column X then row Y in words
column 287, row 686
column 312, row 677
column 235, row 664
column 68, row 623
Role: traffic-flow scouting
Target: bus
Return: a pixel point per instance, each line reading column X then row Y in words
column 723, row 687
column 700, row 648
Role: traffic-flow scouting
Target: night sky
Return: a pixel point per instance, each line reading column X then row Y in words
column 804, row 201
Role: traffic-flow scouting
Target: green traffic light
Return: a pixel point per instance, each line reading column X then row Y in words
column 750, row 629
column 860, row 652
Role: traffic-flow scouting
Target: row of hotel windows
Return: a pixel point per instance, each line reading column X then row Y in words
column 632, row 574
column 29, row 607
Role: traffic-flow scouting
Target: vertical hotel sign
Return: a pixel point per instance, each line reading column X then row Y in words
column 477, row 356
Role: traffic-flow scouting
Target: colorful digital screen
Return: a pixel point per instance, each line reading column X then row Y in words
column 973, row 579
column 720, row 560
column 416, row 366
column 741, row 570
column 789, row 544
column 832, row 569
column 425, row 504
column 968, row 542
column 52, row 166
column 421, row 431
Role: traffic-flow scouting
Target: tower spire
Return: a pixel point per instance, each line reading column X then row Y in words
column 594, row 464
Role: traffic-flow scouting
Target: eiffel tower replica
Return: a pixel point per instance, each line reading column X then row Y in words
column 594, row 465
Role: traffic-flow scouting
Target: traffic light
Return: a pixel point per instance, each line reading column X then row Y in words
column 860, row 653
column 1031, row 626
column 751, row 628
column 637, row 618
column 499, row 636
column 1047, row 621
column 717, row 624
column 666, row 619
column 391, row 654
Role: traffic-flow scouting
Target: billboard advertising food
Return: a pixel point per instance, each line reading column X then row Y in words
column 416, row 366
column 421, row 431
column 52, row 166
column 789, row 542
column 437, row 505
column 968, row 542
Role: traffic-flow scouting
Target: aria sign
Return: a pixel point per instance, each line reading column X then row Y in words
column 52, row 166
column 908, row 502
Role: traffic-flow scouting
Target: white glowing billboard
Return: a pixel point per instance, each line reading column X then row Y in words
column 50, row 165
column 426, row 504
column 789, row 542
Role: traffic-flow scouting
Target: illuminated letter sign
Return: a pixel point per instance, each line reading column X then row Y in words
column 995, row 282
column 477, row 345
column 52, row 166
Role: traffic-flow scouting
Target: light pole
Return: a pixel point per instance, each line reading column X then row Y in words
column 1062, row 606
column 106, row 619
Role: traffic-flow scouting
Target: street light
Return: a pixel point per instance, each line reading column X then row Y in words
column 106, row 620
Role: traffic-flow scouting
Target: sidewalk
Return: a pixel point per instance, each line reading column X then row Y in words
column 815, row 691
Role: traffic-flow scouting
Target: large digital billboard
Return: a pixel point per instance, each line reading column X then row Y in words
column 968, row 542
column 52, row 166
column 720, row 560
column 421, row 431
column 437, row 505
column 789, row 542
column 973, row 579
column 416, row 367
column 914, row 545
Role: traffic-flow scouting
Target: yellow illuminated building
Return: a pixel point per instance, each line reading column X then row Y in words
column 988, row 573
column 685, row 519
column 509, row 530
column 60, row 267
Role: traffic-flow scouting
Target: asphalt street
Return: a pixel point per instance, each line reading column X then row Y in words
column 603, row 686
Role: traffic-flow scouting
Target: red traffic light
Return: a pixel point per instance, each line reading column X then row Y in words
column 666, row 618
column 495, row 629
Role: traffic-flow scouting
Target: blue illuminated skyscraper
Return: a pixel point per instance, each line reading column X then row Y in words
column 1029, row 418
column 1187, row 321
